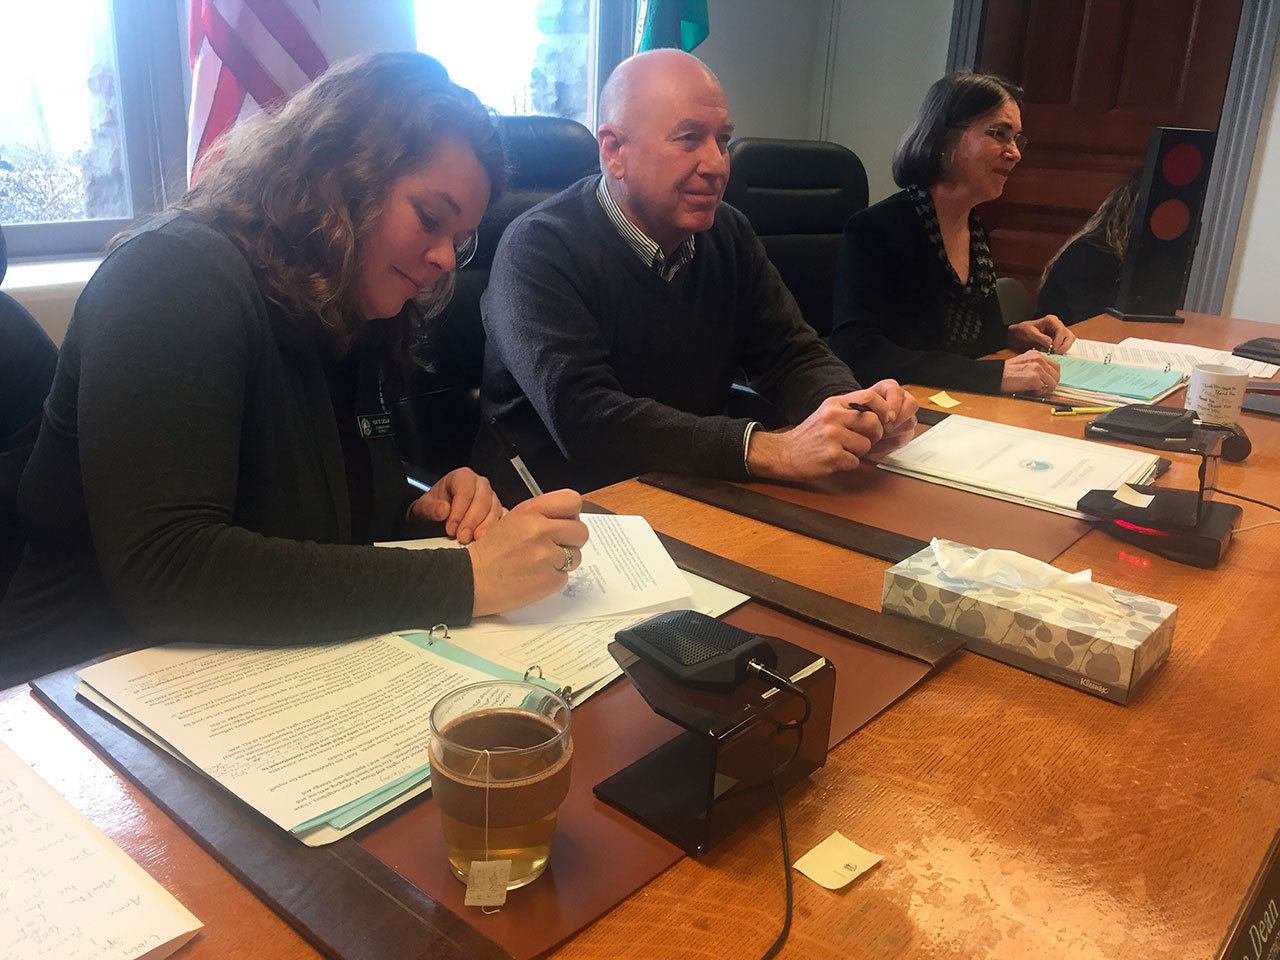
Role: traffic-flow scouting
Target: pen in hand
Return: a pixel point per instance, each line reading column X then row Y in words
column 516, row 463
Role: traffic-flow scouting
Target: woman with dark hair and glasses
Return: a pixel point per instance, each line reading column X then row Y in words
column 915, row 294
column 215, row 458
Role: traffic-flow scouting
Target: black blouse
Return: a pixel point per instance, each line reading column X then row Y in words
column 899, row 309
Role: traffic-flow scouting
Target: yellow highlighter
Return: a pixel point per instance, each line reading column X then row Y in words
column 1072, row 411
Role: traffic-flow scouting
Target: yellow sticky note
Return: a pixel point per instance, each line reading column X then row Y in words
column 944, row 399
column 836, row 861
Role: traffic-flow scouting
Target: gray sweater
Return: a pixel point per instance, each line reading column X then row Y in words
column 188, row 482
column 596, row 369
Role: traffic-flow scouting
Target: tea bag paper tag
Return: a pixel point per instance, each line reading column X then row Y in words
column 836, row 861
column 487, row 883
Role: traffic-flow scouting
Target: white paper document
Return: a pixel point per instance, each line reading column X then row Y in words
column 1156, row 355
column 1011, row 463
column 66, row 891
column 624, row 569
column 295, row 732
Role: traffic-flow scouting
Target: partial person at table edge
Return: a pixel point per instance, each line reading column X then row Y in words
column 212, row 464
column 915, row 289
column 619, row 312
column 1083, row 277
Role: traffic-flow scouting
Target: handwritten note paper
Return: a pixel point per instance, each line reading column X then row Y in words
column 836, row 861
column 66, row 891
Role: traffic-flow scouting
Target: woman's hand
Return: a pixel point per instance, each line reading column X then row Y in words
column 528, row 553
column 1047, row 333
column 463, row 501
column 1030, row 372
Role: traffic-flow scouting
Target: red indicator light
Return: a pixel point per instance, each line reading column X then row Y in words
column 1147, row 530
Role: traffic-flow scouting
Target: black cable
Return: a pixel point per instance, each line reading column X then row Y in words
column 786, row 870
column 782, row 683
column 1241, row 496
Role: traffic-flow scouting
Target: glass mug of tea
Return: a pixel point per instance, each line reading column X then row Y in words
column 501, row 756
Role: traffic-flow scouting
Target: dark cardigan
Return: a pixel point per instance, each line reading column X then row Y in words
column 890, row 306
column 188, row 482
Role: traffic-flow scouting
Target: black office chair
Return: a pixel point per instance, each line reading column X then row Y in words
column 797, row 195
column 437, row 418
column 27, row 362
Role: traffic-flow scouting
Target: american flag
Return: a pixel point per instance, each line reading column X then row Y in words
column 246, row 55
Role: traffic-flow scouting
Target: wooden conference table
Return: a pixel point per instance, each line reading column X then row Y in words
column 1016, row 817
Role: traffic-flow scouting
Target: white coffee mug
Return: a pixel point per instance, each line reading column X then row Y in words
column 1216, row 392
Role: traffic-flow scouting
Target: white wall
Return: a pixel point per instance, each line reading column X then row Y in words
column 886, row 53
column 1253, row 290
column 763, row 51
column 367, row 26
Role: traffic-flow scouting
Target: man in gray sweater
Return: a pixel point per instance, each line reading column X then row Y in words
column 619, row 311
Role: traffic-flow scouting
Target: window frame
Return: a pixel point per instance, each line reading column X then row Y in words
column 149, row 68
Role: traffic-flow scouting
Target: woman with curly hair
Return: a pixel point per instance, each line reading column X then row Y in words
column 1083, row 277
column 215, row 458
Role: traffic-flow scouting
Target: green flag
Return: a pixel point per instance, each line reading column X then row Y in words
column 671, row 23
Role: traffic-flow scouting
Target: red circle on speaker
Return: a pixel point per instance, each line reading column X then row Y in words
column 1170, row 220
column 1182, row 164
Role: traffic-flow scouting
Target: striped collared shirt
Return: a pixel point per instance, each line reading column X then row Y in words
column 646, row 249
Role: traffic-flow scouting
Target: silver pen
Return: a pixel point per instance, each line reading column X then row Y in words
column 516, row 462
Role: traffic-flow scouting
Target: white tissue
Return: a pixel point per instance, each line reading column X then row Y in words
column 1007, row 568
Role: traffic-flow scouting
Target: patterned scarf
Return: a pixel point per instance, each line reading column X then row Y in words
column 964, row 314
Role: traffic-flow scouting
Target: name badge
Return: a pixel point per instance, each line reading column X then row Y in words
column 374, row 426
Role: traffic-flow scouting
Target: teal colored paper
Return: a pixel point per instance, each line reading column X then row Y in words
column 447, row 651
column 1132, row 383
column 349, row 813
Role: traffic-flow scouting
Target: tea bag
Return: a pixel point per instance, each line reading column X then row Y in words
column 487, row 879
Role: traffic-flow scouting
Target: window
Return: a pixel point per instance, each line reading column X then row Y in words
column 526, row 56
column 93, row 112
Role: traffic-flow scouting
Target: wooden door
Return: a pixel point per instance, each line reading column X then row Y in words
column 1098, row 75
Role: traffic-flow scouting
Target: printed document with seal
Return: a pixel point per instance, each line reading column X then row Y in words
column 1042, row 470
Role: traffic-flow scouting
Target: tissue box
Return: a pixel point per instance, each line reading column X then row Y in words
column 1083, row 645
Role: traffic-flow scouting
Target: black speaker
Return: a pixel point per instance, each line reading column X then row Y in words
column 697, row 650
column 1166, row 225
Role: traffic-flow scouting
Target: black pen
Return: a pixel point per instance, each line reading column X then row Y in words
column 860, row 407
column 1034, row 399
column 516, row 462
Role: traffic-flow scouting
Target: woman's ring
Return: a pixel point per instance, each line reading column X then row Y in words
column 568, row 560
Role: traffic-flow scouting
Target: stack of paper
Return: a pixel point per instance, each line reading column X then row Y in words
column 324, row 739
column 1024, row 466
column 1171, row 357
column 67, row 891
column 1099, row 382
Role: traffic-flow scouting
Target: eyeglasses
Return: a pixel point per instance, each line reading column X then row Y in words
column 1003, row 134
column 463, row 252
